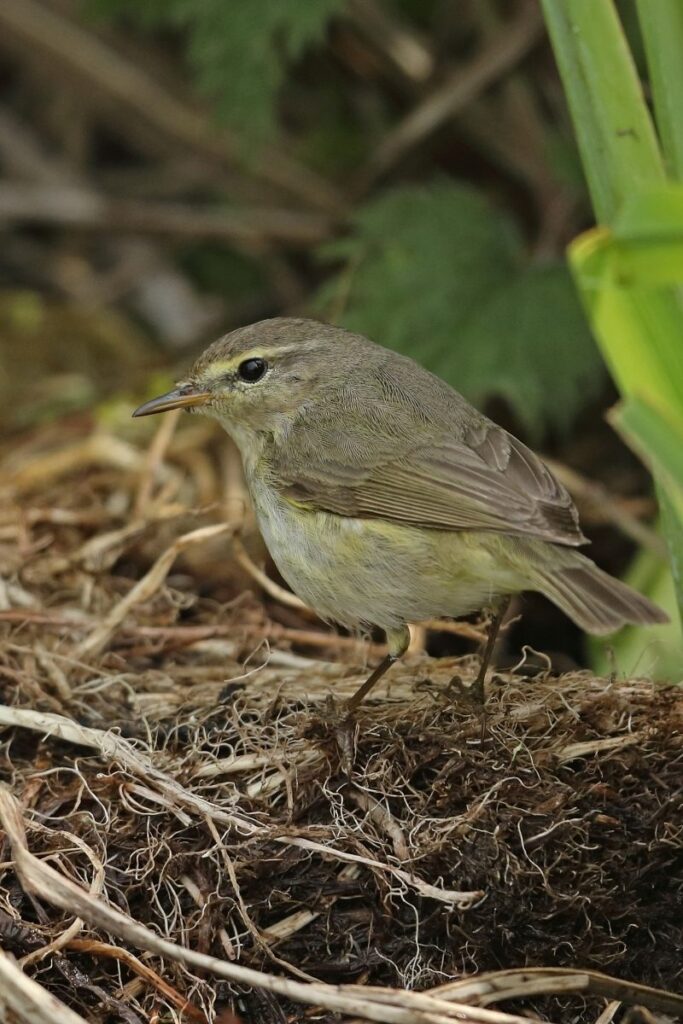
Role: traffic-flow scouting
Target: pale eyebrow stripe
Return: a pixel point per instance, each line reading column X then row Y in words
column 257, row 353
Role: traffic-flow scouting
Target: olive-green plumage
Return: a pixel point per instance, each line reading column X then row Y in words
column 384, row 497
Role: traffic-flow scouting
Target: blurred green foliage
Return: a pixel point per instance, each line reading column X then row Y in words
column 221, row 271
column 239, row 51
column 439, row 273
column 434, row 270
column 82, row 355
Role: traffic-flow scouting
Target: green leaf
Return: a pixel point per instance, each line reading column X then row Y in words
column 420, row 261
column 654, row 214
column 613, row 126
column 530, row 344
column 630, row 279
column 656, row 436
column 661, row 22
column 653, row 652
column 438, row 273
column 149, row 15
column 240, row 51
column 623, row 274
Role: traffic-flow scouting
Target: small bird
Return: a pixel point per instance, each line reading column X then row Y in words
column 384, row 497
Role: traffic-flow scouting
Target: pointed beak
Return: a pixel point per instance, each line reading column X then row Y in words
column 186, row 396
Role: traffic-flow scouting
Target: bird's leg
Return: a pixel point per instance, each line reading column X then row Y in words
column 476, row 690
column 398, row 641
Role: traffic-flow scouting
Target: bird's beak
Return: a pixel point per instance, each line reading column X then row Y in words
column 186, row 396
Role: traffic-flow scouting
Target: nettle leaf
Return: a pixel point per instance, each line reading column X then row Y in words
column 531, row 344
column 420, row 263
column 440, row 274
column 240, row 51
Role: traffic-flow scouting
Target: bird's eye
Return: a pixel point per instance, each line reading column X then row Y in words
column 252, row 370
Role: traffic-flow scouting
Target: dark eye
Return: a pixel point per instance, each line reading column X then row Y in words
column 252, row 370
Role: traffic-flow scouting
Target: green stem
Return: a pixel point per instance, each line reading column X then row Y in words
column 661, row 22
column 617, row 140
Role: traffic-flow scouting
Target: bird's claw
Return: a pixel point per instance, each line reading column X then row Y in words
column 343, row 725
column 474, row 694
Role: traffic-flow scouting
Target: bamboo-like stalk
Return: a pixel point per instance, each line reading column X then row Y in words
column 617, row 140
column 639, row 331
column 661, row 24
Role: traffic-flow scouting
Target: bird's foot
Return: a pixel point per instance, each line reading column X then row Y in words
column 474, row 694
column 341, row 722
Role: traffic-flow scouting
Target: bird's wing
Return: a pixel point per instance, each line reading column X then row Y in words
column 486, row 480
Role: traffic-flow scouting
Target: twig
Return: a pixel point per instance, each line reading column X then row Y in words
column 383, row 818
column 27, row 1001
column 54, row 673
column 455, row 897
column 382, row 1005
column 521, row 984
column 44, row 31
column 98, row 449
column 145, row 587
column 270, row 587
column 113, row 747
column 460, row 88
column 96, row 948
column 234, row 765
column 74, row 206
column 27, row 616
column 418, row 639
column 403, row 49
column 153, row 460
column 465, row 629
column 268, row 631
column 96, row 887
column 607, row 1015
column 288, row 926
column 586, row 748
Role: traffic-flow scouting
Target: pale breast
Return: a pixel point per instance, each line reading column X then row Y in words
column 370, row 572
column 318, row 554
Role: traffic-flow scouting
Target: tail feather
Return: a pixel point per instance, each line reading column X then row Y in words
column 594, row 600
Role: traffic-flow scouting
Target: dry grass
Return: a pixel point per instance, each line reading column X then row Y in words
column 186, row 840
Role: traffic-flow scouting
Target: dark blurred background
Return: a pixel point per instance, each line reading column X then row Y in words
column 170, row 170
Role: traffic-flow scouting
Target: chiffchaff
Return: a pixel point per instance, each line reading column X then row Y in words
column 383, row 496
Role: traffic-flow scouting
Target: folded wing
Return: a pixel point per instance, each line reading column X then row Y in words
column 486, row 480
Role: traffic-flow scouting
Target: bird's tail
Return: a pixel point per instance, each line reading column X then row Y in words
column 595, row 601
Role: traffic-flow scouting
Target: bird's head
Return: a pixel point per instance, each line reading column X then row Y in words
column 257, row 377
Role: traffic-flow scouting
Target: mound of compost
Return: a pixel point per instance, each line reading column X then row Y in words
column 177, row 778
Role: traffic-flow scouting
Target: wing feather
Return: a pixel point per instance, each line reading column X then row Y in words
column 488, row 480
